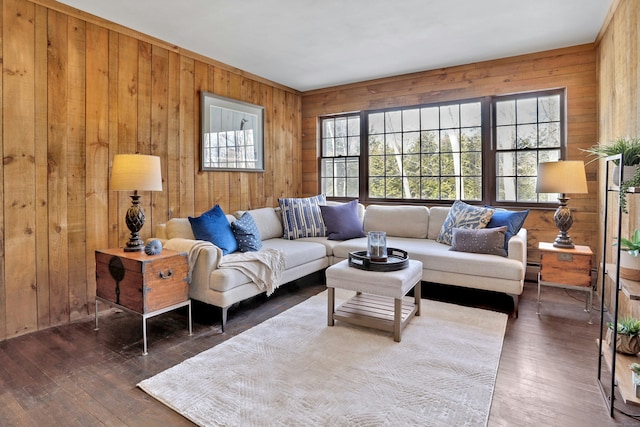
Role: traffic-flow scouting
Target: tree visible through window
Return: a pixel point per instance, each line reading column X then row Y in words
column 440, row 152
column 431, row 153
column 528, row 131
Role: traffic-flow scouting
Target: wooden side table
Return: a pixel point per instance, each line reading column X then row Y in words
column 567, row 269
column 146, row 285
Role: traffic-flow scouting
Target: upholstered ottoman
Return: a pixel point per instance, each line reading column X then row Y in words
column 379, row 302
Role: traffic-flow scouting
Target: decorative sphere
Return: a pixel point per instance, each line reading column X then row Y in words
column 154, row 247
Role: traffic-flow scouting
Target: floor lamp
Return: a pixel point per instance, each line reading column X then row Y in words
column 135, row 172
column 562, row 177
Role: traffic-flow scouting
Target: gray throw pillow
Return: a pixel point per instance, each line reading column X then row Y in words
column 479, row 241
column 342, row 221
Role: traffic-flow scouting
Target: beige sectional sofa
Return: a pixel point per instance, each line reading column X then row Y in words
column 411, row 228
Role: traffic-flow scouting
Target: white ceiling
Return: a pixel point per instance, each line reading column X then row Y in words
column 311, row 44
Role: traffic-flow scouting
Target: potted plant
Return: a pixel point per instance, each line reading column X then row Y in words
column 628, row 147
column 628, row 335
column 629, row 259
column 630, row 150
column 634, row 181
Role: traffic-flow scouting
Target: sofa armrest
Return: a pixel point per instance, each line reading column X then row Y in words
column 518, row 247
column 204, row 257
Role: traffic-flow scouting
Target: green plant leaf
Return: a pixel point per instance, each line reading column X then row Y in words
column 627, row 326
column 628, row 147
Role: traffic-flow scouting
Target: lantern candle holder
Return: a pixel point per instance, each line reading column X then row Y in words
column 377, row 246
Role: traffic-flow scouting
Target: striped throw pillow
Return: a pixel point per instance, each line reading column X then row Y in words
column 302, row 217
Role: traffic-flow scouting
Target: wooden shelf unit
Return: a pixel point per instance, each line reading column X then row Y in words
column 623, row 376
column 629, row 190
column 629, row 287
column 605, row 352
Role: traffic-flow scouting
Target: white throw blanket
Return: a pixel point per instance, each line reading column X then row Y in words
column 264, row 267
column 192, row 248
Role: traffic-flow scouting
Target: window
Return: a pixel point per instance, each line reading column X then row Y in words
column 340, row 162
column 481, row 150
column 528, row 131
column 430, row 153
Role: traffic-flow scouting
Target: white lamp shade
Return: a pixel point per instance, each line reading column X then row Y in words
column 136, row 172
column 562, row 177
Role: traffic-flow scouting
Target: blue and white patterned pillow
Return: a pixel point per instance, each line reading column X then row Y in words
column 462, row 215
column 247, row 234
column 302, row 217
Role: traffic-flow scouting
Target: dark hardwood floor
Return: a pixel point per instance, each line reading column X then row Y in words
column 74, row 376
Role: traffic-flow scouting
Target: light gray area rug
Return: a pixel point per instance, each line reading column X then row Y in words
column 294, row 370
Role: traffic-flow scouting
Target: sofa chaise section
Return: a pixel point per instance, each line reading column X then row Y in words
column 415, row 230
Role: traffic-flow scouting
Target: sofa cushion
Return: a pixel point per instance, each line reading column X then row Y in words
column 399, row 221
column 342, row 221
column 462, row 215
column 179, row 228
column 268, row 221
column 301, row 217
column 297, row 252
column 341, row 251
column 479, row 241
column 328, row 244
column 246, row 233
column 437, row 257
column 511, row 219
column 213, row 226
column 437, row 216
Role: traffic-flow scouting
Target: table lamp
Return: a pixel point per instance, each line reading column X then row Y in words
column 562, row 177
column 135, row 172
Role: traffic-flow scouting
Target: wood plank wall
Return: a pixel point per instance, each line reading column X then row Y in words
column 619, row 112
column 76, row 90
column 572, row 68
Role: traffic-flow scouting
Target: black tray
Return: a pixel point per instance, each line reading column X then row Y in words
column 397, row 259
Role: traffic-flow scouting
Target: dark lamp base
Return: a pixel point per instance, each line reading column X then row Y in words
column 564, row 220
column 565, row 243
column 135, row 220
column 134, row 246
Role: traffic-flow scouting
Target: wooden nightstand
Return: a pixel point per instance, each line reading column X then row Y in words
column 567, row 269
column 146, row 285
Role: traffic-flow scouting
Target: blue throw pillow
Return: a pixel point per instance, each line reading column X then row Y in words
column 511, row 219
column 214, row 227
column 342, row 221
column 247, row 233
